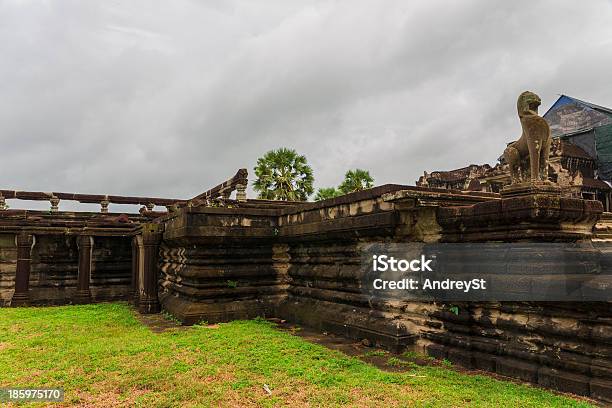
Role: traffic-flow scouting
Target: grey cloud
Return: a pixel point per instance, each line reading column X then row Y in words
column 170, row 98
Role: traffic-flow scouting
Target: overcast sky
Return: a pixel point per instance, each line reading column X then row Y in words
column 168, row 98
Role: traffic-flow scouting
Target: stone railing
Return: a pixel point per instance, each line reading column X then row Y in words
column 54, row 198
column 57, row 257
column 237, row 183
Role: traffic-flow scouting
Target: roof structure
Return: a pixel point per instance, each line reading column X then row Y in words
column 564, row 99
column 569, row 115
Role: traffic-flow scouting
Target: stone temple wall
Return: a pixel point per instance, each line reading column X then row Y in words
column 219, row 264
column 560, row 346
column 54, row 269
column 302, row 262
column 59, row 250
column 111, row 275
column 323, row 252
column 8, row 265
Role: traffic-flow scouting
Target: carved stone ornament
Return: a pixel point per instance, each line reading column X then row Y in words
column 528, row 156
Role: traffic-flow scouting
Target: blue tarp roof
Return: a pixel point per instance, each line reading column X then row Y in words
column 586, row 125
column 564, row 100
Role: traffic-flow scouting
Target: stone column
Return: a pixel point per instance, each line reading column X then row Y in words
column 54, row 204
column 136, row 264
column 25, row 243
column 83, row 294
column 149, row 282
column 104, row 206
column 241, row 193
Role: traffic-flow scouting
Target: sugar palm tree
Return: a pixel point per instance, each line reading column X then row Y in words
column 283, row 174
column 327, row 192
column 356, row 180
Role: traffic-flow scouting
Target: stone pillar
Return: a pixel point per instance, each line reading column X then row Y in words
column 83, row 294
column 104, row 206
column 149, row 282
column 25, row 243
column 241, row 193
column 54, row 204
column 136, row 266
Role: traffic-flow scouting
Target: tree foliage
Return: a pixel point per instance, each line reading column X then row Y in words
column 327, row 192
column 356, row 180
column 283, row 174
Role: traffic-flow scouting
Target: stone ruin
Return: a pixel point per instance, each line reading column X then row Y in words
column 218, row 258
column 578, row 157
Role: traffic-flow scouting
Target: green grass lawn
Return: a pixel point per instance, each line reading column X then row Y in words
column 103, row 356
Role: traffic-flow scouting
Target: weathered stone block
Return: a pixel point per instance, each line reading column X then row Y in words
column 563, row 381
column 462, row 357
column 484, row 361
column 601, row 389
column 516, row 369
column 437, row 351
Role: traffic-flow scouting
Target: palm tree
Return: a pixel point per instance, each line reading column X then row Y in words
column 356, row 180
column 327, row 192
column 283, row 174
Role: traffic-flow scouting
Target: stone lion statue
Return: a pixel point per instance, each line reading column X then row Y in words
column 528, row 156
